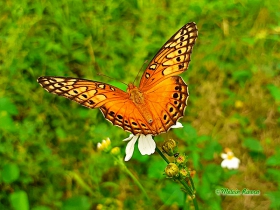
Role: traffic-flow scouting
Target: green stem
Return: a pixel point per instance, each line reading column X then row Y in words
column 190, row 192
column 162, row 155
column 193, row 187
column 187, row 188
column 81, row 182
column 121, row 163
column 195, row 204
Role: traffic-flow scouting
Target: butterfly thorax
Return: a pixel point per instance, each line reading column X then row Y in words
column 139, row 100
column 135, row 94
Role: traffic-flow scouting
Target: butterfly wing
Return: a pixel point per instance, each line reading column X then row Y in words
column 172, row 59
column 113, row 102
column 167, row 101
column 166, row 93
column 127, row 116
column 88, row 93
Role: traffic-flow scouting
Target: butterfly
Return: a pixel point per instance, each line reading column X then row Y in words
column 153, row 107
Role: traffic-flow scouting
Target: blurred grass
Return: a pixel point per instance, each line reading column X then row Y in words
column 234, row 102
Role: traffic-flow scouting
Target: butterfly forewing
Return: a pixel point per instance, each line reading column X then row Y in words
column 172, row 59
column 91, row 94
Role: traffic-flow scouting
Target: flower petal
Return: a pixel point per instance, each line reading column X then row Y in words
column 146, row 145
column 130, row 147
column 231, row 164
column 224, row 156
column 177, row 125
column 224, row 163
column 235, row 163
column 129, row 138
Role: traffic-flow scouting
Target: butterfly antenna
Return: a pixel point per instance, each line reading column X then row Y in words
column 140, row 70
column 100, row 74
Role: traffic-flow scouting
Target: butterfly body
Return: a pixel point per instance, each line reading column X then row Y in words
column 153, row 107
column 137, row 97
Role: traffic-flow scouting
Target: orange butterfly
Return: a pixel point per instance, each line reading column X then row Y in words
column 155, row 106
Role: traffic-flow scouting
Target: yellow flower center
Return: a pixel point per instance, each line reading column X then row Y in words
column 230, row 156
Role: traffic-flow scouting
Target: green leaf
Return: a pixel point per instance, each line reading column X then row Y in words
column 187, row 133
column 7, row 105
column 273, row 174
column 273, row 160
column 79, row 55
column 10, row 173
column 172, row 194
column 195, row 159
column 213, row 173
column 19, row 200
column 77, row 202
column 204, row 138
column 211, row 148
column 6, row 122
column 249, row 40
column 252, row 144
column 156, row 169
column 241, row 76
column 205, row 190
column 41, row 208
column 274, row 91
column 274, row 199
column 243, row 121
column 60, row 133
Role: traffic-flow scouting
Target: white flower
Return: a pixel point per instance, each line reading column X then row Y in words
column 230, row 161
column 146, row 144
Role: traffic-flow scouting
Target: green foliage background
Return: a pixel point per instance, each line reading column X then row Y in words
column 48, row 157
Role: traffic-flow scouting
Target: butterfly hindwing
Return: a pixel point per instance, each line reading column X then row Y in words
column 172, row 59
column 126, row 115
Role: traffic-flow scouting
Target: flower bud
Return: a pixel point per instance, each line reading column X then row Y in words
column 181, row 159
column 115, row 151
column 184, row 173
column 172, row 170
column 169, row 147
column 105, row 145
column 192, row 173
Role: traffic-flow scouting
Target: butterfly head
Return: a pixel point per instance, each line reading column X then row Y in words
column 130, row 87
